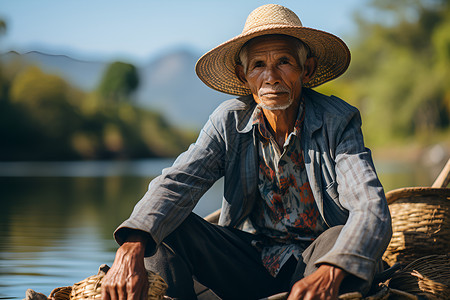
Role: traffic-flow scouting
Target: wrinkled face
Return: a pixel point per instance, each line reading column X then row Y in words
column 273, row 75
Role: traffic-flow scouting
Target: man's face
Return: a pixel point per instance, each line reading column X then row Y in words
column 274, row 75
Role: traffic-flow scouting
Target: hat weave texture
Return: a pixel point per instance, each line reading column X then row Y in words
column 216, row 67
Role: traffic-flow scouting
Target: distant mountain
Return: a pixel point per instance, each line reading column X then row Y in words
column 168, row 83
column 82, row 74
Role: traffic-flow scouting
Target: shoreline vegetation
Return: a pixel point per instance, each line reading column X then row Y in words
column 427, row 155
column 44, row 118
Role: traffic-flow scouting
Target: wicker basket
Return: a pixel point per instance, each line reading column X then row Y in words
column 61, row 293
column 428, row 276
column 420, row 221
column 90, row 288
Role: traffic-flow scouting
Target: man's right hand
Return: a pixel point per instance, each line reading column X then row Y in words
column 127, row 278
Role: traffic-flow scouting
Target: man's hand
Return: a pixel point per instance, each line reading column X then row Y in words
column 322, row 284
column 127, row 278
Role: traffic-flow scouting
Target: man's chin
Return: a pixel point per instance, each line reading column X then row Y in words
column 276, row 106
column 274, row 103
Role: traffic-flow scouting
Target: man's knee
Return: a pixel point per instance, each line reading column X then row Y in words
column 332, row 232
column 321, row 246
column 181, row 248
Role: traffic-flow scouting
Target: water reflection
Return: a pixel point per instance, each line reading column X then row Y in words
column 58, row 230
column 85, row 168
column 57, row 219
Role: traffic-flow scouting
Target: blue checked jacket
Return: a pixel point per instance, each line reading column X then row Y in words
column 339, row 168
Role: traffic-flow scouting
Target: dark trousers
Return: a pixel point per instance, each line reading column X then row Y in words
column 224, row 260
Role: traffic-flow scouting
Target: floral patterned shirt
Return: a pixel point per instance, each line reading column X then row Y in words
column 288, row 215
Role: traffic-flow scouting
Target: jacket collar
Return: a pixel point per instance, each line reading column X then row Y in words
column 313, row 116
column 247, row 105
column 244, row 113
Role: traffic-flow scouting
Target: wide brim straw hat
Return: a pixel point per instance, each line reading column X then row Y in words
column 216, row 68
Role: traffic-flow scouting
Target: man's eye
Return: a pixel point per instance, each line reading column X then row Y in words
column 258, row 64
column 284, row 61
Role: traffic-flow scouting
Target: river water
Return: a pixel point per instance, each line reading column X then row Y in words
column 57, row 219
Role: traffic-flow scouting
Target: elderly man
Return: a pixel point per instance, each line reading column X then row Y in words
column 303, row 210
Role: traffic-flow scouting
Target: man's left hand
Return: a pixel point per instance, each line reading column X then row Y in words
column 322, row 284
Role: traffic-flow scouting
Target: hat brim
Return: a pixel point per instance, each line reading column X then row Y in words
column 216, row 68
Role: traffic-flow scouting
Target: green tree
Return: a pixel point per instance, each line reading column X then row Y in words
column 3, row 84
column 400, row 69
column 3, row 26
column 41, row 114
column 50, row 101
column 119, row 81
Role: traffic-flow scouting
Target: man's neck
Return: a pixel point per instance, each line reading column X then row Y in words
column 281, row 122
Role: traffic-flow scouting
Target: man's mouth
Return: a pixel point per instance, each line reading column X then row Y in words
column 273, row 94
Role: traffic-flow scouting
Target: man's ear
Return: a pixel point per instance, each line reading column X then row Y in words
column 309, row 69
column 239, row 71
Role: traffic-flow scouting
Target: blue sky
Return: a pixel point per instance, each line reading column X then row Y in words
column 136, row 30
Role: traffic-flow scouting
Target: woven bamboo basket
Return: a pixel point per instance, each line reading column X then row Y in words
column 420, row 221
column 91, row 287
column 428, row 276
column 61, row 293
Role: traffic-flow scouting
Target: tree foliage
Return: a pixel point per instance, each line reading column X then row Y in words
column 119, row 81
column 2, row 26
column 400, row 69
column 42, row 117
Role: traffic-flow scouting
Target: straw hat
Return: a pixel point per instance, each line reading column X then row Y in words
column 216, row 68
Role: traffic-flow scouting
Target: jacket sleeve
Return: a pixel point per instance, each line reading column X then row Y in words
column 368, row 229
column 173, row 195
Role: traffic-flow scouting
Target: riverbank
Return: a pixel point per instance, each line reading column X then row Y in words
column 422, row 162
column 415, row 153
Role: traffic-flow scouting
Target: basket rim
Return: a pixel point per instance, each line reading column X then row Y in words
column 396, row 194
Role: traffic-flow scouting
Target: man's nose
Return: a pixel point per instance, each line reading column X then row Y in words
column 272, row 75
